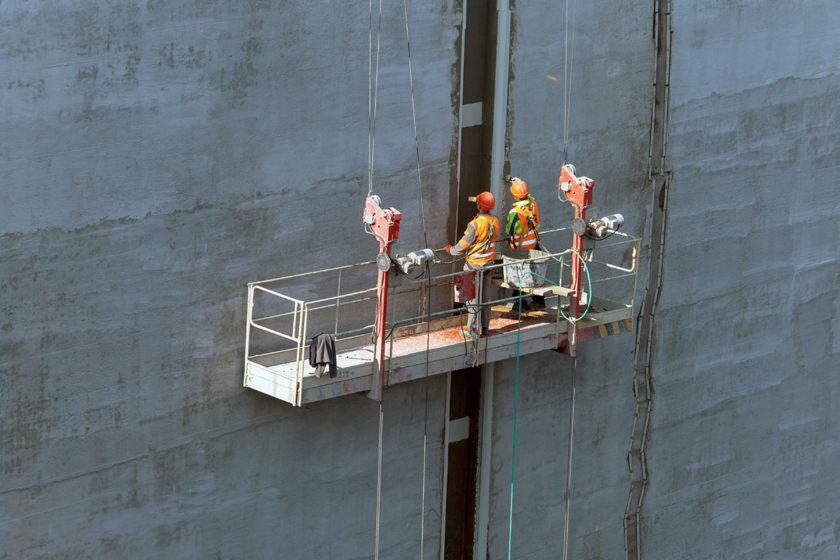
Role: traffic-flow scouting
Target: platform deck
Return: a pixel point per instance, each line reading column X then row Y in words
column 411, row 353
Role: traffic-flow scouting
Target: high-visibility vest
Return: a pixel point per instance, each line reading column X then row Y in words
column 528, row 216
column 482, row 250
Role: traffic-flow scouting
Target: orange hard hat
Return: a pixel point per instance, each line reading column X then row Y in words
column 518, row 188
column 486, row 201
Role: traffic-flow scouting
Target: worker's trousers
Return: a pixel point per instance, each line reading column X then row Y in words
column 473, row 304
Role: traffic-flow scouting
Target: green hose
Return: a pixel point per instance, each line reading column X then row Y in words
column 516, row 382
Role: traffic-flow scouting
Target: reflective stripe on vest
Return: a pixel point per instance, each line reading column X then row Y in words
column 524, row 211
column 483, row 248
column 528, row 242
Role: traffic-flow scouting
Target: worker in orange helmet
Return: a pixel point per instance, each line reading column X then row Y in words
column 523, row 229
column 523, row 220
column 479, row 245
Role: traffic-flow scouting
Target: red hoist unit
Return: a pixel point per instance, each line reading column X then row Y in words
column 384, row 223
column 578, row 192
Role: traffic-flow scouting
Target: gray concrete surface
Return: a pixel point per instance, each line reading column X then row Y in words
column 745, row 442
column 744, row 445
column 599, row 477
column 611, row 77
column 156, row 157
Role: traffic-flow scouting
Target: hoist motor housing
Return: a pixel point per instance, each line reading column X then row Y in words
column 414, row 260
column 383, row 222
column 603, row 227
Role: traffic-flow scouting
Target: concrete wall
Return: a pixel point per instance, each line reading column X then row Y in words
column 746, row 435
column 611, row 71
column 611, row 77
column 158, row 156
column 745, row 443
column 603, row 410
column 155, row 158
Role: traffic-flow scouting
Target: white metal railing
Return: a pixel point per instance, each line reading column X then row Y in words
column 303, row 309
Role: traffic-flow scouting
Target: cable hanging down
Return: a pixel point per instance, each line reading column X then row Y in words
column 572, row 405
column 427, row 296
column 568, row 64
column 569, row 464
column 373, row 89
column 373, row 95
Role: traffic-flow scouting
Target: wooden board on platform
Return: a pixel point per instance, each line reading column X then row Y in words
column 536, row 291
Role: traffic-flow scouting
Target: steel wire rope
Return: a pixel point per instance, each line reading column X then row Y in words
column 378, row 479
column 426, row 407
column 569, row 464
column 373, row 95
column 568, row 64
column 373, row 89
column 414, row 121
column 571, row 413
column 428, row 295
column 515, row 408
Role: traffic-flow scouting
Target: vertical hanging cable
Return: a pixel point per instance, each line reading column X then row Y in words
column 426, row 405
column 370, row 91
column 378, row 483
column 460, row 115
column 568, row 63
column 569, row 465
column 565, row 81
column 373, row 94
column 373, row 89
column 414, row 121
column 427, row 296
column 515, row 406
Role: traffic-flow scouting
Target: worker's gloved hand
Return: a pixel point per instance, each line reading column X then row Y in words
column 447, row 248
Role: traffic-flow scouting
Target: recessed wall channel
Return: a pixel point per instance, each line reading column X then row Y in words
column 659, row 178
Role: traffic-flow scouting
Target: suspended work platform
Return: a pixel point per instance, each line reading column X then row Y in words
column 285, row 313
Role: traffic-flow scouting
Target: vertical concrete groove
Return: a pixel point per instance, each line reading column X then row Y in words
column 660, row 180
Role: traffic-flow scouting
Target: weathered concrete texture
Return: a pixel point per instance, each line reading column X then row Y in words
column 155, row 158
column 599, row 476
column 745, row 444
column 746, row 439
column 610, row 72
column 608, row 141
column 147, row 110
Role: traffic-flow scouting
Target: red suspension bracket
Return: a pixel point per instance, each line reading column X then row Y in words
column 384, row 223
column 578, row 192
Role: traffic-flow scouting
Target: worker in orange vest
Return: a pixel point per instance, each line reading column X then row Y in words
column 523, row 229
column 479, row 245
column 523, row 220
